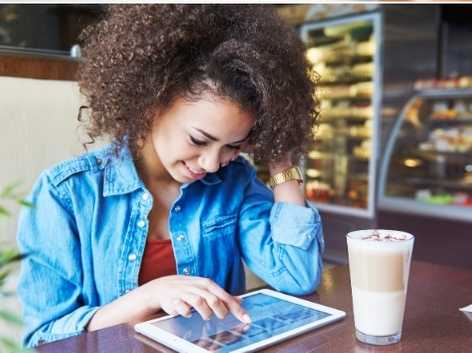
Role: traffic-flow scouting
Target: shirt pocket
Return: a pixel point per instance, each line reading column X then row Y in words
column 221, row 226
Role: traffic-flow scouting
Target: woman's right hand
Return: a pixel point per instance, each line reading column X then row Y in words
column 179, row 294
column 173, row 294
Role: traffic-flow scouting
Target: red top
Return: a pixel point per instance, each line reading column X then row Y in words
column 158, row 260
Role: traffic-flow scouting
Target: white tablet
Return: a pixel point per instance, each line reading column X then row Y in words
column 275, row 317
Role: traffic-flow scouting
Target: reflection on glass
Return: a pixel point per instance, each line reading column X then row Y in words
column 432, row 158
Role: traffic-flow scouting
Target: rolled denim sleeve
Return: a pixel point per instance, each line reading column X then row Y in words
column 281, row 242
column 295, row 225
column 51, row 274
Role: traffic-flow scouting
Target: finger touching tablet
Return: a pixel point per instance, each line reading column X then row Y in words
column 275, row 317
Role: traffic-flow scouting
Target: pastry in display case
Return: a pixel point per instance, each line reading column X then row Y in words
column 340, row 165
column 428, row 162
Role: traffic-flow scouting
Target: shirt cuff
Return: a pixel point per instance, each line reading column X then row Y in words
column 80, row 318
column 296, row 225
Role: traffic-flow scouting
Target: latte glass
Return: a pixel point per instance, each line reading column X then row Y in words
column 379, row 266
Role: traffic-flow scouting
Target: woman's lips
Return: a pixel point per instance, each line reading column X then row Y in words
column 193, row 174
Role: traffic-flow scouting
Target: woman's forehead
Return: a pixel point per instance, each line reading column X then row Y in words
column 219, row 117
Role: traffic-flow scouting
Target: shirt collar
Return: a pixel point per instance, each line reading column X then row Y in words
column 121, row 176
column 212, row 178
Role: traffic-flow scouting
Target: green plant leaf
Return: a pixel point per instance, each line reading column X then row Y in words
column 10, row 317
column 8, row 190
column 4, row 212
column 13, row 347
column 10, row 255
column 3, row 275
column 25, row 203
column 8, row 343
column 7, row 259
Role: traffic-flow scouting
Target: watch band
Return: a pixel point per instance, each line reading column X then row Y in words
column 293, row 173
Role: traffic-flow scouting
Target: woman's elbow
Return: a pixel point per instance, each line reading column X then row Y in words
column 301, row 283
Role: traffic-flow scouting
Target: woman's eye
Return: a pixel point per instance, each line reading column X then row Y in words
column 234, row 147
column 197, row 142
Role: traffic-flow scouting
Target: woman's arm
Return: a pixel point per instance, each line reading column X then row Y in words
column 173, row 294
column 51, row 278
column 289, row 191
column 281, row 241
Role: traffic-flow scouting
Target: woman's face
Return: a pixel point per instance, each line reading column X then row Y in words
column 192, row 138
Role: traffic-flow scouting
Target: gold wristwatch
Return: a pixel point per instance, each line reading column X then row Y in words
column 293, row 173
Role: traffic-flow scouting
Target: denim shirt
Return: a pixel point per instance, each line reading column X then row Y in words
column 86, row 235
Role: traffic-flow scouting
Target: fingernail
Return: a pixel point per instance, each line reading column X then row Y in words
column 246, row 319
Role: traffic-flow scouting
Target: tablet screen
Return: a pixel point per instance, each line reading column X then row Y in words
column 270, row 316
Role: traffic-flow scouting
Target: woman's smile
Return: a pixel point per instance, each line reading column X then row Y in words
column 193, row 174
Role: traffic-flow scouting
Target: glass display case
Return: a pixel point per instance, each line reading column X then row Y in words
column 427, row 167
column 340, row 166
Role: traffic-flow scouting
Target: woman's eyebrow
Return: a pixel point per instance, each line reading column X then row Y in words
column 206, row 134
column 213, row 138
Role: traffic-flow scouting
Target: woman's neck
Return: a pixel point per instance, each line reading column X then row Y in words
column 151, row 170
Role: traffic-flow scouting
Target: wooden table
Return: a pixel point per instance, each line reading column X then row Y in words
column 433, row 322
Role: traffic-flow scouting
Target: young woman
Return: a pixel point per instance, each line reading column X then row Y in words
column 164, row 216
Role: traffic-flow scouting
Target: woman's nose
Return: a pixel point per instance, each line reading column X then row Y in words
column 210, row 162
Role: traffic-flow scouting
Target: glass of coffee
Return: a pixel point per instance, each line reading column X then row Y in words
column 379, row 265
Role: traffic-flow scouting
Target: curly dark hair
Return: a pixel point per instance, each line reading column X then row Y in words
column 140, row 57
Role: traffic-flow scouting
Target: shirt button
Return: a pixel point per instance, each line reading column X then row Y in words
column 141, row 224
column 177, row 208
column 145, row 197
column 99, row 161
column 132, row 257
column 186, row 271
column 180, row 237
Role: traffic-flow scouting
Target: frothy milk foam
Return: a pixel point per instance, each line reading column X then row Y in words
column 379, row 263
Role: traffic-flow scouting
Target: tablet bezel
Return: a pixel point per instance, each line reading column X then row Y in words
column 181, row 345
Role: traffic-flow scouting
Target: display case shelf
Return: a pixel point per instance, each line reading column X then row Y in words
column 459, row 120
column 340, row 167
column 427, row 167
column 451, row 157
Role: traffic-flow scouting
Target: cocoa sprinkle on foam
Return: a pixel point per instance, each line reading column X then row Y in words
column 376, row 236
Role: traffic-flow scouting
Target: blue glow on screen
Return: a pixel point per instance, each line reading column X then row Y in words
column 270, row 316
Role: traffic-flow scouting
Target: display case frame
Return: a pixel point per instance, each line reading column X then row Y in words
column 376, row 17
column 409, row 205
